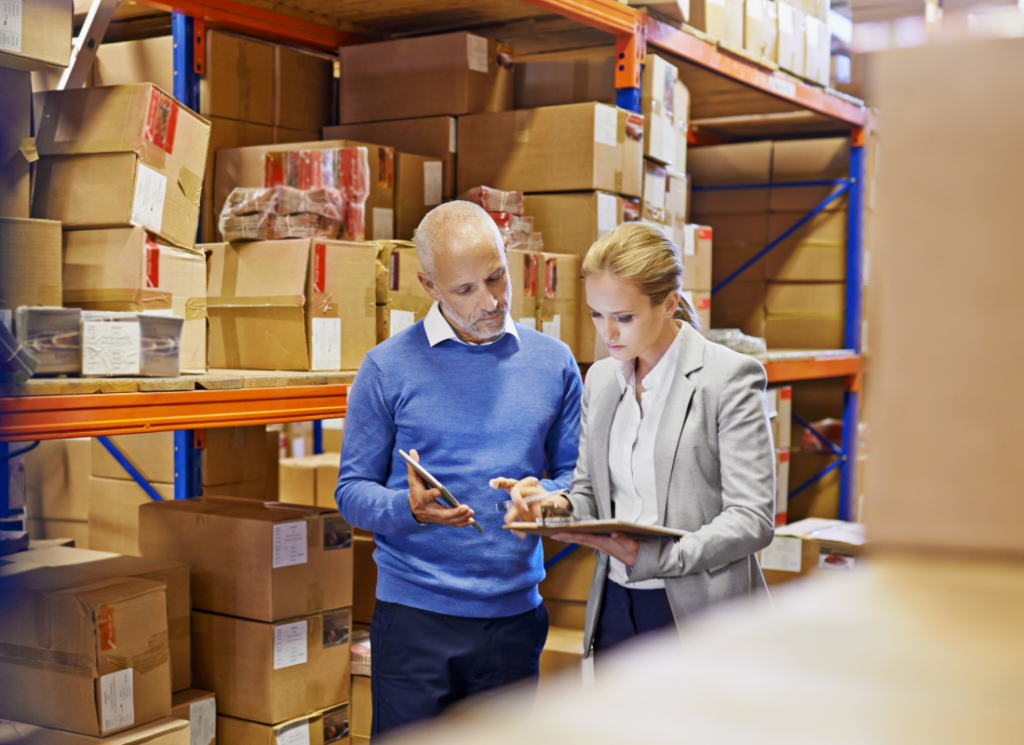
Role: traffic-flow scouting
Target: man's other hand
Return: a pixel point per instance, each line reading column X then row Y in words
column 425, row 507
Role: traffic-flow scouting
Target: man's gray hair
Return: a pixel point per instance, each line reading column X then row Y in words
column 454, row 226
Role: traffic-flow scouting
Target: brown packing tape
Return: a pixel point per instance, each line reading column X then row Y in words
column 320, row 305
column 49, row 667
column 255, row 301
column 314, row 534
column 191, row 185
column 195, row 308
column 179, row 628
column 620, row 129
column 28, row 149
column 159, row 654
column 618, row 180
column 314, row 597
column 112, row 664
column 370, row 303
column 413, row 303
column 522, row 124
column 16, row 653
column 550, row 307
column 133, row 299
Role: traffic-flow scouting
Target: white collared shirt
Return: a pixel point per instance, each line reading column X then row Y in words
column 631, row 450
column 438, row 329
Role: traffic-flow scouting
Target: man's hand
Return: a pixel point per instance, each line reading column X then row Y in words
column 617, row 545
column 521, row 512
column 424, row 505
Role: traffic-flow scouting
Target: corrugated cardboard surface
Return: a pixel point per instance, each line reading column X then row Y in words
column 328, row 727
column 181, row 708
column 761, row 29
column 814, row 253
column 114, row 513
column 425, row 76
column 57, row 479
column 744, row 163
column 309, row 480
column 348, row 294
column 44, row 529
column 166, row 731
column 364, row 591
column 229, row 544
column 570, row 578
column 45, row 36
column 303, row 86
column 552, row 148
column 362, row 706
column 557, row 78
column 738, row 238
column 740, row 305
column 398, row 276
column 140, row 61
column 15, row 125
column 30, row 263
column 809, row 160
column 236, row 658
column 571, row 223
column 723, row 19
column 418, row 189
column 558, row 297
column 105, row 624
column 522, row 275
column 791, row 37
column 805, row 315
column 238, row 83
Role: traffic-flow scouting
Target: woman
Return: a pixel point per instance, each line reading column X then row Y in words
column 674, row 433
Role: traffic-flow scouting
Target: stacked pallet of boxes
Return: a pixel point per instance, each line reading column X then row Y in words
column 57, row 489
column 780, row 411
column 271, row 612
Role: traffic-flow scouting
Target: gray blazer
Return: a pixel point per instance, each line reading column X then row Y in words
column 714, row 471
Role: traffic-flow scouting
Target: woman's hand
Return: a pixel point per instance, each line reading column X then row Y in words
column 520, row 511
column 617, row 545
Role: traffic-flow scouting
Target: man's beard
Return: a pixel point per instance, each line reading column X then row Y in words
column 470, row 328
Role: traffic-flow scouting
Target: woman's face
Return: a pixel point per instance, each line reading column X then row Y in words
column 624, row 316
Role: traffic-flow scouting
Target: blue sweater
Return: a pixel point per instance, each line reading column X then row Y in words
column 472, row 413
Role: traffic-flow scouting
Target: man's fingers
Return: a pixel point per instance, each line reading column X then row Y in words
column 502, row 483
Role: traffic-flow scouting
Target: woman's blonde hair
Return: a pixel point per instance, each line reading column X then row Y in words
column 643, row 254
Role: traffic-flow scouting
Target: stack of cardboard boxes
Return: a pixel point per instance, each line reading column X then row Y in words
column 780, row 411
column 57, row 489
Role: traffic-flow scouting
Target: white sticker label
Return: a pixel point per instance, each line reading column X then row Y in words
column 606, row 125
column 785, row 19
column 755, row 9
column 202, row 720
column 553, row 328
column 476, row 48
column 782, row 555
column 118, row 700
column 688, row 297
column 432, row 182
column 834, row 562
column 719, row 3
column 326, row 343
column 607, row 213
column 289, row 644
column 383, row 224
column 299, row 447
column 401, row 320
column 294, row 734
column 690, row 240
column 289, row 543
column 530, row 323
column 148, row 204
column 782, row 87
column 668, row 140
column 10, row 26
column 813, row 40
column 453, row 136
column 111, row 348
column 654, row 188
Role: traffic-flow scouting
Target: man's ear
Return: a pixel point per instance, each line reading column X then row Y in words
column 428, row 285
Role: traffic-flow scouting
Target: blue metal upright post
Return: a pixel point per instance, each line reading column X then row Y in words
column 186, row 81
column 318, row 437
column 187, row 465
column 5, row 480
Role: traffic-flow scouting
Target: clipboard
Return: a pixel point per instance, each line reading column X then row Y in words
column 430, row 480
column 598, row 527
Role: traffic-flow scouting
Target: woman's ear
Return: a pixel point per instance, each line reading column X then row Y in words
column 671, row 304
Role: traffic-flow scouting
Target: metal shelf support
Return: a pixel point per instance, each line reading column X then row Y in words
column 131, row 470
column 5, row 480
column 318, row 437
column 188, row 463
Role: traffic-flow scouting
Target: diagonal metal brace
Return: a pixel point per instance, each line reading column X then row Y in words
column 815, row 479
column 560, row 555
column 821, row 438
column 127, row 466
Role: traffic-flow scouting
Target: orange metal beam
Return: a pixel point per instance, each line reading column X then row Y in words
column 88, row 415
column 823, row 367
column 605, row 15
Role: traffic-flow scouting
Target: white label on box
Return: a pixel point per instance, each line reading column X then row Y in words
column 785, row 21
column 835, row 562
column 453, row 136
column 299, row 447
column 813, row 40
column 326, row 343
column 294, row 734
column 690, row 240
column 755, row 9
column 606, row 125
column 289, row 543
column 148, row 204
column 432, row 183
column 530, row 323
column 202, row 720
column 10, row 26
column 117, row 707
column 553, row 328
column 719, row 3
column 782, row 87
column 688, row 297
column 476, row 48
column 289, row 643
column 401, row 320
column 111, row 348
column 383, row 224
column 668, row 140
column 607, row 213
column 783, row 555
column 654, row 188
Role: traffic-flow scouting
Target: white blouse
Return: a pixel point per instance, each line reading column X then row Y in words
column 631, row 450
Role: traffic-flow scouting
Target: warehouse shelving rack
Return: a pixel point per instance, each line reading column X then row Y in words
column 780, row 100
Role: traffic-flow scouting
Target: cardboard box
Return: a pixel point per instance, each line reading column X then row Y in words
column 310, row 480
column 319, row 728
column 229, row 134
column 167, row 731
column 273, row 672
column 677, row 204
column 571, row 614
column 433, row 137
column 652, row 203
column 792, row 38
column 199, row 709
column 781, row 486
column 76, row 531
column 15, row 126
column 697, row 257
column 738, row 238
column 30, row 263
column 57, row 479
column 264, row 561
column 285, row 136
column 821, row 498
column 53, row 336
column 320, row 314
column 558, row 297
column 572, row 223
column 814, row 253
column 175, row 575
column 303, row 85
column 741, row 305
column 780, row 413
column 447, row 74
column 816, row 8
column 128, row 154
column 806, row 160
column 95, row 638
column 579, row 147
column 810, row 546
column 146, row 61
column 717, row 165
column 721, row 19
column 571, row 577
column 114, row 513
column 401, row 299
column 40, row 39
column 522, row 274
column 362, row 706
column 817, row 51
column 761, row 29
column 123, row 269
column 805, row 315
column 665, row 104
column 120, row 344
column 700, row 302
column 419, row 187
column 364, row 587
column 558, row 78
column 562, row 657
column 332, row 432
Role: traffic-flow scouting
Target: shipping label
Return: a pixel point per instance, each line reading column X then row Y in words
column 326, row 343
column 607, row 213
column 148, row 203
column 606, row 125
column 111, row 348
column 337, row 533
column 383, row 224
column 290, row 644
column 690, row 240
column 10, row 26
column 202, row 719
column 785, row 19
column 161, row 120
column 783, row 554
column 289, row 544
column 294, row 734
column 530, row 323
column 553, row 328
column 117, row 700
column 432, row 183
column 401, row 320
column 476, row 50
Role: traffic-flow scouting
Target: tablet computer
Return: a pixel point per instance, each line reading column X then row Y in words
column 431, row 481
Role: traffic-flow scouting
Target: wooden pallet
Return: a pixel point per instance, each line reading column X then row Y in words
column 220, row 380
column 214, row 380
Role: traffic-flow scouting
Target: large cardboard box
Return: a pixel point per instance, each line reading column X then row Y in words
column 780, row 413
column 146, row 61
column 572, row 223
column 522, row 274
column 310, row 480
column 810, row 546
column 75, row 531
column 761, row 29
column 814, row 253
column 561, row 659
column 655, row 192
column 362, row 706
column 273, row 672
column 805, row 315
column 696, row 249
column 721, row 19
column 434, row 137
column 175, row 575
column 119, row 156
column 572, row 76
column 57, row 479
column 30, row 263
column 738, row 238
column 558, row 298
column 817, row 50
column 166, row 731
column 229, row 134
column 265, row 561
column 303, row 84
column 677, row 203
column 570, row 578
column 419, row 187
column 446, row 74
column 98, row 644
column 401, row 299
column 782, row 457
column 114, row 513
column 741, row 305
column 792, row 38
column 579, row 147
column 199, row 709
column 123, row 269
column 717, row 165
column 364, row 586
column 809, row 160
column 37, row 35
column 15, row 126
column 319, row 728
column 291, row 304
column 665, row 104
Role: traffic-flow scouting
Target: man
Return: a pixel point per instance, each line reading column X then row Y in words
column 476, row 396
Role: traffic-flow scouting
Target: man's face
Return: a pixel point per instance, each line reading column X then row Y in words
column 472, row 289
